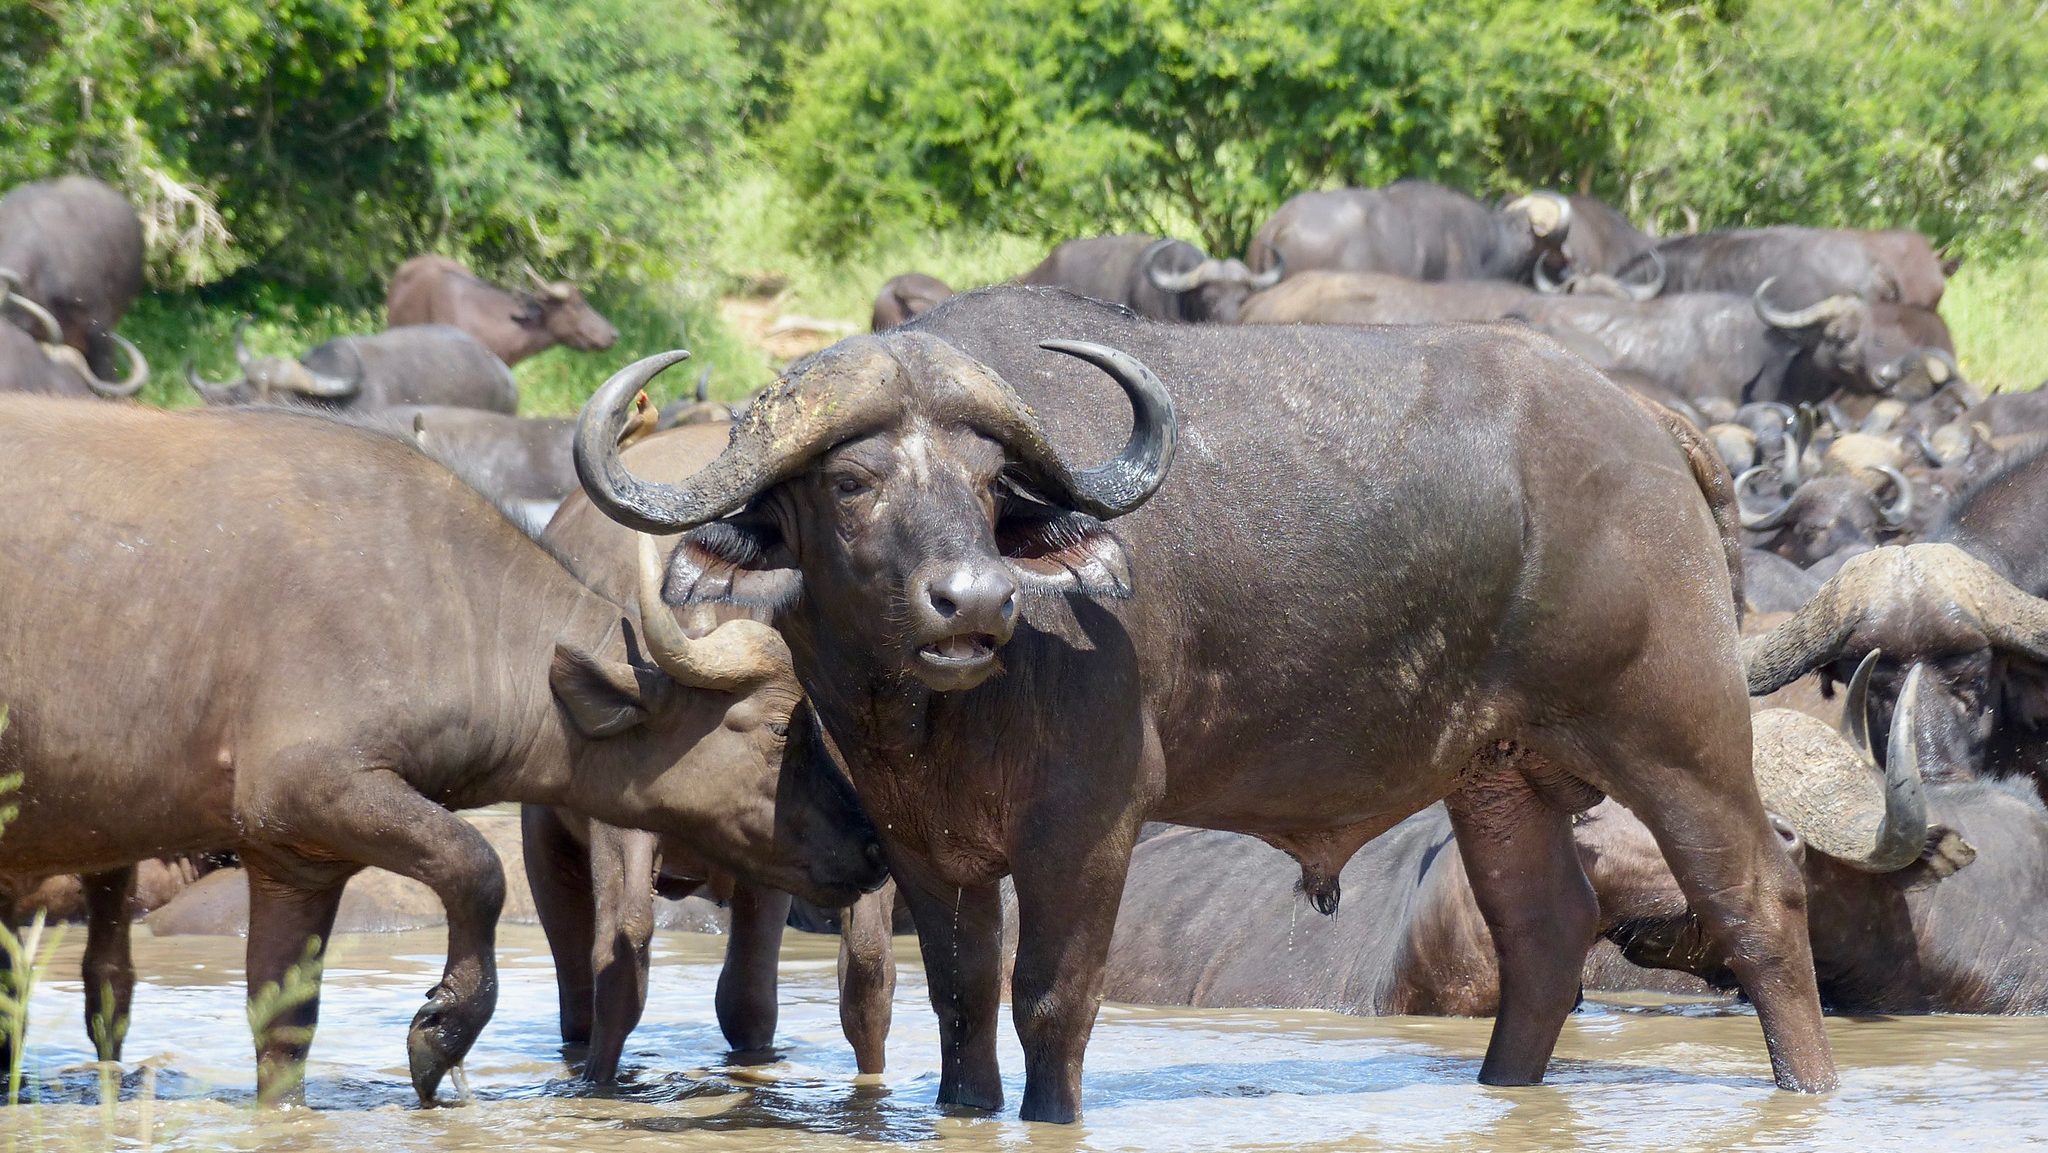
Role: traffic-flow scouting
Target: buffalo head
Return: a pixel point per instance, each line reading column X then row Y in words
column 50, row 335
column 267, row 378
column 1207, row 289
column 558, row 307
column 901, row 484
column 1983, row 641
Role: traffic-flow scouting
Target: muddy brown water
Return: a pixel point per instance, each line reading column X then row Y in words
column 1631, row 1073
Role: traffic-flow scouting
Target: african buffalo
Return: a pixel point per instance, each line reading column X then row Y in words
column 1373, row 566
column 2001, row 517
column 905, row 296
column 1717, row 345
column 1944, row 922
column 590, row 880
column 1209, row 918
column 1380, row 298
column 72, row 249
column 513, row 325
column 335, row 642
column 1601, row 239
column 419, row 364
column 1411, row 228
column 1836, row 514
column 47, row 368
column 1984, row 710
column 1158, row 279
column 1807, row 263
column 523, row 464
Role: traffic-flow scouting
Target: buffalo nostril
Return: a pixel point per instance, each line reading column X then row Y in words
column 1010, row 606
column 874, row 855
column 945, row 606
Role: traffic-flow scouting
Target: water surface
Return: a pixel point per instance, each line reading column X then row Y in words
column 1631, row 1074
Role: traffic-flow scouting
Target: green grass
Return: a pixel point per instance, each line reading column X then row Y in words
column 1995, row 313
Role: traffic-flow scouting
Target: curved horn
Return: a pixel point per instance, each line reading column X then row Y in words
column 2011, row 617
column 1902, row 835
column 1172, row 281
column 704, row 385
column 1556, row 226
column 1812, row 637
column 1758, row 521
column 1118, row 486
column 734, row 655
column 53, row 333
column 138, row 372
column 211, row 393
column 309, row 382
column 1652, row 288
column 1271, row 276
column 1545, row 284
column 788, row 425
column 1819, row 312
column 539, row 281
column 1856, row 706
column 1895, row 511
column 1940, row 366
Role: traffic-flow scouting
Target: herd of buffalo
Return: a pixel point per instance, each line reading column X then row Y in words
column 1685, row 584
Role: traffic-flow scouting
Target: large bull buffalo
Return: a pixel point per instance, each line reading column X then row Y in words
column 1373, row 579
column 1157, row 279
column 513, row 325
column 1412, row 228
column 590, row 880
column 417, row 365
column 307, row 643
column 73, row 248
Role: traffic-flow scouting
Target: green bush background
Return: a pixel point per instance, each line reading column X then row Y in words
column 287, row 153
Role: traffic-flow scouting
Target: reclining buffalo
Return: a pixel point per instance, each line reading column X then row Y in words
column 512, row 324
column 1157, row 279
column 71, row 257
column 1266, row 641
column 337, row 642
column 418, row 365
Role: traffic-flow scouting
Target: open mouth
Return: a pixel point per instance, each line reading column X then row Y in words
column 963, row 650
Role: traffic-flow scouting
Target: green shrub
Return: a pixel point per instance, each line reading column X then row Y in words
column 1055, row 118
column 320, row 143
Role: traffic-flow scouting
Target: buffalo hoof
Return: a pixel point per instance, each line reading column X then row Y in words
column 440, row 1037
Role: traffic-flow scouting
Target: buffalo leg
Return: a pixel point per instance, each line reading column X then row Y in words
column 1752, row 901
column 375, row 818
column 622, row 864
column 109, row 968
column 746, row 985
column 1068, row 891
column 558, row 872
column 1533, row 894
column 289, row 925
column 867, row 976
column 959, row 934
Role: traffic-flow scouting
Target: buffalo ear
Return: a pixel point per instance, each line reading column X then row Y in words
column 1950, row 264
column 740, row 562
column 604, row 699
column 1946, row 852
column 1057, row 551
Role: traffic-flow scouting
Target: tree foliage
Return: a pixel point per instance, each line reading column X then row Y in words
column 1064, row 117
column 321, row 140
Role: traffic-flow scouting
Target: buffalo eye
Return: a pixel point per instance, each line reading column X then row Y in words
column 780, row 730
column 848, row 487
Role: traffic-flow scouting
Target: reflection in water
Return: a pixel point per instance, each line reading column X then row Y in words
column 1631, row 1074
